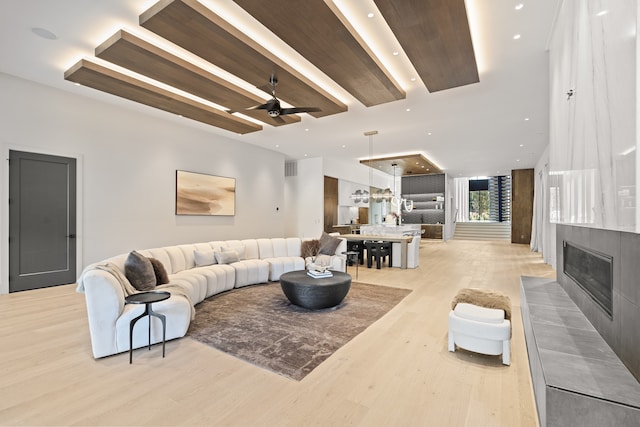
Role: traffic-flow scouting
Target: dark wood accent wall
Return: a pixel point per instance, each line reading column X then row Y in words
column 330, row 203
column 363, row 215
column 521, row 205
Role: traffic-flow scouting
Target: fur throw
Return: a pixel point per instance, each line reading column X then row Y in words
column 487, row 298
column 309, row 248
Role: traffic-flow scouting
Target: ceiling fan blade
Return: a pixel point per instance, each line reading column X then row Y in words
column 296, row 110
column 259, row 107
column 270, row 105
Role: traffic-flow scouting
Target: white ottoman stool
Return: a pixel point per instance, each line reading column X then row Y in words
column 479, row 329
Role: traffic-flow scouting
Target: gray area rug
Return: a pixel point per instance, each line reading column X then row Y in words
column 258, row 324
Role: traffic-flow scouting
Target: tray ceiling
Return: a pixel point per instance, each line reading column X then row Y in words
column 409, row 164
column 433, row 33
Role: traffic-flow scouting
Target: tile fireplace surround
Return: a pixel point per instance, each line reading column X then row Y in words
column 621, row 331
column 585, row 355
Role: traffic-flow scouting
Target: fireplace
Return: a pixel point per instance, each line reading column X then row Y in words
column 592, row 271
column 600, row 271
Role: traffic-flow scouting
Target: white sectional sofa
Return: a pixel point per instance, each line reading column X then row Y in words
column 263, row 260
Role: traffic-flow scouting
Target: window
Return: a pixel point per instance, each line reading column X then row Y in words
column 479, row 206
column 490, row 199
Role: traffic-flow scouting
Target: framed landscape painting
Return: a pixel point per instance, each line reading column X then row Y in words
column 201, row 194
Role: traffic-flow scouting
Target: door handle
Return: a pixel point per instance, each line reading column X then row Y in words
column 71, row 236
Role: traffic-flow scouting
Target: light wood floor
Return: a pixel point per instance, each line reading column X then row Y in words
column 396, row 373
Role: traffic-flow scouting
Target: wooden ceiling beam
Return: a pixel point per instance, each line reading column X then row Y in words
column 318, row 31
column 97, row 76
column 436, row 37
column 194, row 27
column 143, row 57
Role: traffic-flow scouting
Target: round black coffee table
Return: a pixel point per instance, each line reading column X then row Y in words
column 312, row 293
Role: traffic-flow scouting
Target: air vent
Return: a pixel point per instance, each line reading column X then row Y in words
column 291, row 168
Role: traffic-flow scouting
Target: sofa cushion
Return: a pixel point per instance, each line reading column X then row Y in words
column 159, row 271
column 139, row 271
column 293, row 246
column 265, row 248
column 227, row 257
column 309, row 248
column 204, row 258
column 328, row 244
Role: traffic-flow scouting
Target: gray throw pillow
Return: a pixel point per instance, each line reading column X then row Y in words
column 139, row 271
column 162, row 278
column 203, row 258
column 328, row 244
column 227, row 257
column 239, row 249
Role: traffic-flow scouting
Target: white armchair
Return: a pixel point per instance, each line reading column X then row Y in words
column 479, row 329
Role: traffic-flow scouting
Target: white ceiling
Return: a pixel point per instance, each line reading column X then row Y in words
column 475, row 130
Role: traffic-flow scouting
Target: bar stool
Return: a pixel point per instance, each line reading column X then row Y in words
column 379, row 251
column 356, row 246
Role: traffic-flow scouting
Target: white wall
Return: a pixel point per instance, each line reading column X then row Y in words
column 593, row 132
column 310, row 198
column 593, row 136
column 357, row 172
column 127, row 164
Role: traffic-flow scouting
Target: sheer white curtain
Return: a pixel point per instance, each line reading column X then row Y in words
column 540, row 227
column 461, row 186
column 537, row 242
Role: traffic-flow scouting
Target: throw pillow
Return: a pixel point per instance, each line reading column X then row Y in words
column 309, row 248
column 203, row 258
column 139, row 271
column 240, row 250
column 160, row 272
column 328, row 244
column 227, row 257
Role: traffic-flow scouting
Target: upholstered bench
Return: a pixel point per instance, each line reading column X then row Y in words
column 480, row 322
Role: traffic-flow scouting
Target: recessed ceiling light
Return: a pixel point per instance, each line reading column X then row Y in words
column 306, row 130
column 277, row 145
column 417, row 163
column 516, row 37
column 413, row 79
column 306, row 156
column 423, row 167
column 602, row 13
column 370, row 15
column 344, row 146
column 526, row 119
column 396, row 53
column 77, row 84
column 519, row 6
column 408, row 109
column 44, row 33
column 521, row 145
column 429, row 133
column 517, row 160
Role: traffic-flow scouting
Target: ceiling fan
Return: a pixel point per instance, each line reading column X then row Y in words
column 273, row 105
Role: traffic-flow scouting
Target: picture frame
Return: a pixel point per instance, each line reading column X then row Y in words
column 204, row 194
